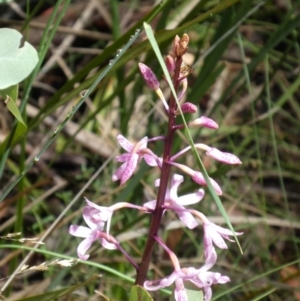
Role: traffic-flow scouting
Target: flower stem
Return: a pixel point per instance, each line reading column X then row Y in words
column 165, row 172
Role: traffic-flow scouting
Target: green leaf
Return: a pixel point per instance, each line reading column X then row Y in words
column 193, row 292
column 16, row 62
column 58, row 293
column 138, row 293
column 10, row 96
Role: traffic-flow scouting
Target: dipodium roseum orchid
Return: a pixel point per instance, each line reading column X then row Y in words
column 91, row 234
column 201, row 277
column 131, row 158
column 215, row 234
column 177, row 203
column 98, row 218
column 103, row 214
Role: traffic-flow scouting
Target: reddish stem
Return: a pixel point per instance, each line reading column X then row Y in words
column 165, row 172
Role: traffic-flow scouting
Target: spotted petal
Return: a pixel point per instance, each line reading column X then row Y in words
column 226, row 158
column 126, row 144
column 129, row 169
column 150, row 160
column 118, row 173
column 123, row 158
column 91, row 221
column 186, row 217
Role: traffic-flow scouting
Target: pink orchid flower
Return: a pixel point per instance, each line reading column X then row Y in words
column 214, row 234
column 202, row 278
column 177, row 203
column 130, row 159
column 91, row 234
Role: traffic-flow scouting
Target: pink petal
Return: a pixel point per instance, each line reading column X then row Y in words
column 126, row 144
column 143, row 142
column 84, row 246
column 154, row 285
column 225, row 232
column 226, row 158
column 208, row 245
column 188, row 219
column 79, row 231
column 123, row 158
column 212, row 234
column 118, row 173
column 102, row 214
column 210, row 260
column 223, row 279
column 93, row 205
column 207, row 293
column 191, row 198
column 130, row 168
column 88, row 213
column 150, row 205
column 107, row 245
column 157, row 183
column 149, row 160
column 176, row 181
column 180, row 292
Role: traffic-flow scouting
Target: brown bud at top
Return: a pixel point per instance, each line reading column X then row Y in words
column 183, row 45
column 180, row 46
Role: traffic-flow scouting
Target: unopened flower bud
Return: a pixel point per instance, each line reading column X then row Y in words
column 149, row 77
column 180, row 46
column 226, row 158
column 205, row 122
column 199, row 179
column 187, row 107
column 170, row 63
column 183, row 45
column 175, row 47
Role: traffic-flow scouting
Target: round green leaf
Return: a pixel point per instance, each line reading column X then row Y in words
column 16, row 62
